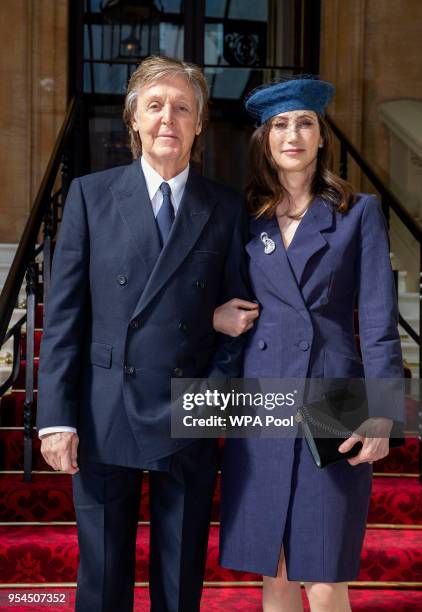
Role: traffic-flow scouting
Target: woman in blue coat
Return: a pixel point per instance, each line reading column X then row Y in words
column 315, row 249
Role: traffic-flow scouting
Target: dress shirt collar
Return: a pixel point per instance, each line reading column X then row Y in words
column 154, row 180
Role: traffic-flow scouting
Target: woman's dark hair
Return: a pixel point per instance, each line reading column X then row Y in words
column 264, row 190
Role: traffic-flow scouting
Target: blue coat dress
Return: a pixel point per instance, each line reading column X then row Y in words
column 273, row 495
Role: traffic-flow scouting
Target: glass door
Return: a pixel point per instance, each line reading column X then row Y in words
column 239, row 43
column 248, row 43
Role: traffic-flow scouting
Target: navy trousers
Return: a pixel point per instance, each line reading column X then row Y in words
column 107, row 498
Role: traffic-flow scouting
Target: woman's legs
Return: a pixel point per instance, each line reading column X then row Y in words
column 280, row 595
column 328, row 597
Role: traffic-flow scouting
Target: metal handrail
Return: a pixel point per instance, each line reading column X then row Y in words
column 43, row 215
column 388, row 200
column 386, row 193
column 26, row 248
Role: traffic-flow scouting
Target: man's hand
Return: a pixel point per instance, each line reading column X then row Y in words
column 60, row 450
column 235, row 317
column 374, row 434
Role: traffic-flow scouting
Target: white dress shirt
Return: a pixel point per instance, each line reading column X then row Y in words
column 153, row 181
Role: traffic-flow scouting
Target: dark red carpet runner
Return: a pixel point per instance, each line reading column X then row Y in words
column 38, row 543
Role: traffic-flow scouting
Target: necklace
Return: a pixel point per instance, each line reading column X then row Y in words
column 296, row 216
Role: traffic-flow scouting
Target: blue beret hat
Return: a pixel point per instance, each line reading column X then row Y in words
column 296, row 94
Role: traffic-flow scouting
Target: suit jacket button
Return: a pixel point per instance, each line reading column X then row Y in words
column 129, row 370
column 324, row 301
column 122, row 279
column 203, row 284
column 134, row 324
column 178, row 372
column 182, row 326
column 304, row 345
column 262, row 344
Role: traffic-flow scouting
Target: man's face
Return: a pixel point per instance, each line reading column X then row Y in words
column 166, row 119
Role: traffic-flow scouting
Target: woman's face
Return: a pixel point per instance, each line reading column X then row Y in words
column 294, row 139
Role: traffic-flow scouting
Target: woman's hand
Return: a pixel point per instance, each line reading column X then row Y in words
column 374, row 435
column 235, row 317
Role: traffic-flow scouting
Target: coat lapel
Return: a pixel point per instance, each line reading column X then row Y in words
column 275, row 265
column 131, row 196
column 308, row 238
column 194, row 212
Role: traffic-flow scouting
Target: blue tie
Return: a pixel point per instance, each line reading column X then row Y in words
column 165, row 215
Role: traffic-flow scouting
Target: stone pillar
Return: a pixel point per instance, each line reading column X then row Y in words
column 33, row 99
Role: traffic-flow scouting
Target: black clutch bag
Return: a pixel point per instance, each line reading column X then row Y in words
column 327, row 423
column 324, row 434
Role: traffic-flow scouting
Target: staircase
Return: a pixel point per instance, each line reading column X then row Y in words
column 409, row 309
column 7, row 252
column 38, row 542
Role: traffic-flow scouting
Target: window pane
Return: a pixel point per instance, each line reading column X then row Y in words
column 169, row 6
column 249, row 9
column 255, row 10
column 215, row 8
column 95, row 5
column 107, row 78
column 253, row 33
column 108, row 138
column 228, row 84
column 172, row 40
column 214, row 44
column 235, row 83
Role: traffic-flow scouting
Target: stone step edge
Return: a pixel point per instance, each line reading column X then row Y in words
column 375, row 474
column 353, row 585
column 374, row 526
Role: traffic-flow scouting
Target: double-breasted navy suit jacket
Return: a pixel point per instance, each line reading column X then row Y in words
column 273, row 494
column 124, row 317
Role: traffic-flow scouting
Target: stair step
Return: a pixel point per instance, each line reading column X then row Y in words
column 37, row 343
column 401, row 460
column 20, row 381
column 396, row 501
column 409, row 304
column 7, row 252
column 50, row 554
column 11, row 408
column 48, row 498
column 11, row 450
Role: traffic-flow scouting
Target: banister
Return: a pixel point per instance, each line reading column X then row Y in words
column 386, row 193
column 25, row 251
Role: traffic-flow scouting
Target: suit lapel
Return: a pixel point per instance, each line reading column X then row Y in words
column 308, row 238
column 131, row 196
column 194, row 212
column 275, row 265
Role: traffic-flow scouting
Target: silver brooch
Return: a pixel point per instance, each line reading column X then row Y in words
column 269, row 244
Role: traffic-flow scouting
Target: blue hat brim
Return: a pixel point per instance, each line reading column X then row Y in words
column 297, row 94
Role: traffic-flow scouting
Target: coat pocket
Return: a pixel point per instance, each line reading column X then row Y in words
column 100, row 354
column 205, row 252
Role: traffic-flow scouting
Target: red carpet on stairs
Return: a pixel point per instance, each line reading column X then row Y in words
column 49, row 553
column 396, row 501
column 38, row 542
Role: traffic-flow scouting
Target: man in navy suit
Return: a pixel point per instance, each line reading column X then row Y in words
column 145, row 254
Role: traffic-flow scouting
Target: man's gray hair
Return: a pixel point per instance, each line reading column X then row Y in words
column 153, row 69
